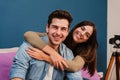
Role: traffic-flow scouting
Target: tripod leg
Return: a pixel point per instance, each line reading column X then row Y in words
column 109, row 68
column 118, row 68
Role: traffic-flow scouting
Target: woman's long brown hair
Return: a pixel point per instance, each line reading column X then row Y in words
column 86, row 50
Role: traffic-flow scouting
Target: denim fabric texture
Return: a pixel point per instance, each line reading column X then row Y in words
column 28, row 68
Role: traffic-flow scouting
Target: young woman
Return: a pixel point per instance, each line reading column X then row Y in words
column 82, row 40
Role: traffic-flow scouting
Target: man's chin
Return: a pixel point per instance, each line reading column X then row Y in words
column 57, row 43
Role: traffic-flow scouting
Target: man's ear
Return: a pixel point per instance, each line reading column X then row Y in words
column 47, row 28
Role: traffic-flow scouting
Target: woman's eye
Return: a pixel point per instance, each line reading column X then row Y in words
column 83, row 28
column 88, row 35
column 77, row 32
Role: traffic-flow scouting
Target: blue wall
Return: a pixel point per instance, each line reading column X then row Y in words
column 19, row 16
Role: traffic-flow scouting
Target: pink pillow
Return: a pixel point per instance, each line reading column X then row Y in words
column 85, row 74
column 6, row 60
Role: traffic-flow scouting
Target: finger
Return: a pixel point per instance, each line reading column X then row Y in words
column 34, row 49
column 65, row 64
column 61, row 66
column 57, row 64
column 53, row 63
column 31, row 48
column 30, row 51
column 32, row 55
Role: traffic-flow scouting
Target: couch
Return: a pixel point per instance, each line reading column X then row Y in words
column 7, row 55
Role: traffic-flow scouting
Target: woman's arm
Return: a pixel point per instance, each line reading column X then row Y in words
column 40, row 55
column 76, row 64
column 34, row 39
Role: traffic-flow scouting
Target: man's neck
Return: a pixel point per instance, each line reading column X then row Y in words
column 54, row 46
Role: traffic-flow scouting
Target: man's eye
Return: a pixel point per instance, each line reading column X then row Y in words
column 55, row 27
column 64, row 29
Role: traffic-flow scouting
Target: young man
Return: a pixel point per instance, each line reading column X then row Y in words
column 26, row 68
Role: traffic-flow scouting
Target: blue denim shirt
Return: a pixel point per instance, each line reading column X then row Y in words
column 29, row 68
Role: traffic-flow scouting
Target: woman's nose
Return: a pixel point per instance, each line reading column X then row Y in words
column 83, row 32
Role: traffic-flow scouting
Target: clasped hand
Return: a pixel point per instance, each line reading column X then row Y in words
column 56, row 60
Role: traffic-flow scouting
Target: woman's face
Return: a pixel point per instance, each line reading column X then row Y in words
column 82, row 34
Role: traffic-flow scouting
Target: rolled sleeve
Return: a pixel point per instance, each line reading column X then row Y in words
column 20, row 63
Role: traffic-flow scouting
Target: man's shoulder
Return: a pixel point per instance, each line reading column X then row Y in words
column 45, row 38
column 25, row 44
column 62, row 45
column 21, row 52
column 66, row 52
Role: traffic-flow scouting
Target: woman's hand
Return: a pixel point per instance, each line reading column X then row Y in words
column 36, row 53
column 40, row 55
column 58, row 61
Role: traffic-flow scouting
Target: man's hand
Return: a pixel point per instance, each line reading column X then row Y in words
column 58, row 61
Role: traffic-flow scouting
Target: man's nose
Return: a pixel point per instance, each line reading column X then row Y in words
column 59, row 31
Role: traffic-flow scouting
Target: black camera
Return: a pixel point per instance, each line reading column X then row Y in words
column 115, row 41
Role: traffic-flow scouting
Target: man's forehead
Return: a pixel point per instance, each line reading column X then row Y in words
column 60, row 22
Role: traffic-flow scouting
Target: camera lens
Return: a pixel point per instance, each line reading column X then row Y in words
column 117, row 42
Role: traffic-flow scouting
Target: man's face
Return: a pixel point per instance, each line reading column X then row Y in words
column 57, row 31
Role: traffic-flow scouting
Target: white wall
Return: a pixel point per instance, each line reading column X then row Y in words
column 113, row 24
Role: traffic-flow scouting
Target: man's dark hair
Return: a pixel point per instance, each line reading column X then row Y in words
column 61, row 14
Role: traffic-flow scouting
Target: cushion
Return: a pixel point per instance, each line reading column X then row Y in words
column 86, row 75
column 7, row 50
column 6, row 60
